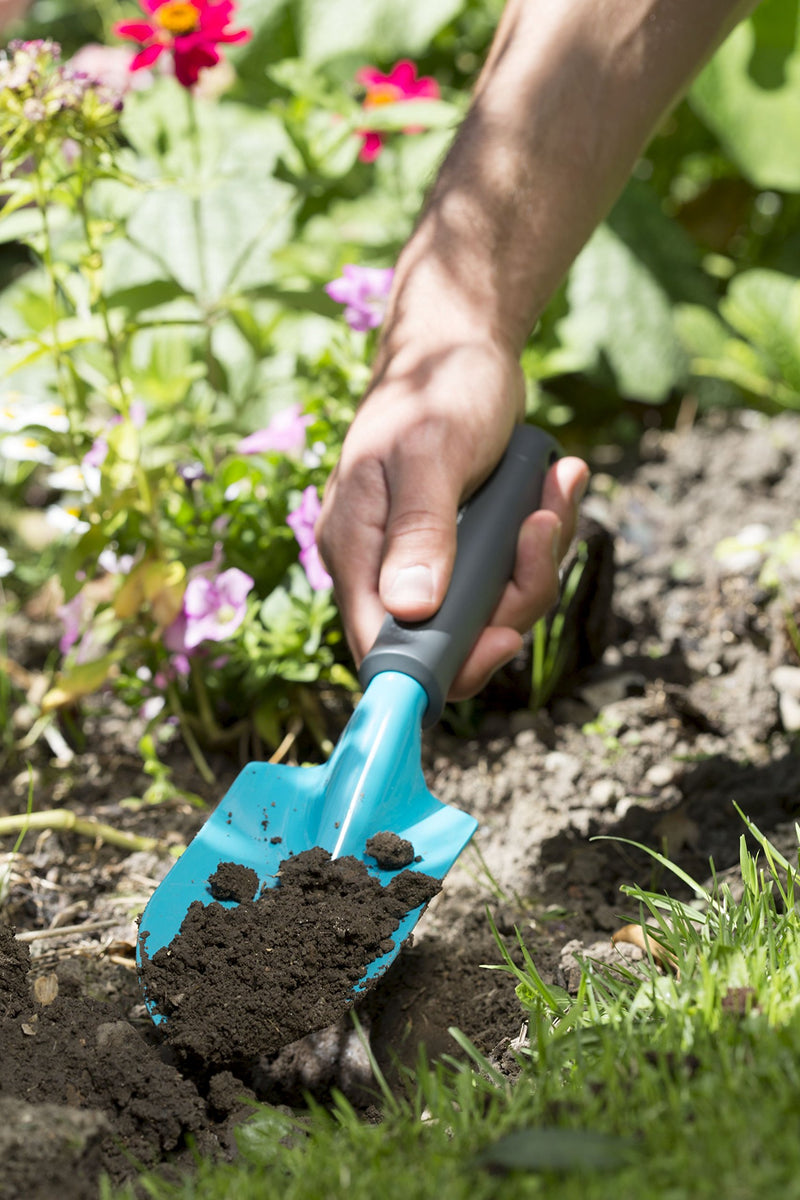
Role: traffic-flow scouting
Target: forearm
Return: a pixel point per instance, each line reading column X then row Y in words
column 570, row 93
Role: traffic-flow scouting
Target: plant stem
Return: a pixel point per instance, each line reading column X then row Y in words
column 203, row 298
column 65, row 819
column 197, row 211
column 62, row 376
column 188, row 735
column 96, row 254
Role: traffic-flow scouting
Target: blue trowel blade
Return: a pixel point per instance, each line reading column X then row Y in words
column 373, row 782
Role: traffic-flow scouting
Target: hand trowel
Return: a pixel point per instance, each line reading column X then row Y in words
column 373, row 781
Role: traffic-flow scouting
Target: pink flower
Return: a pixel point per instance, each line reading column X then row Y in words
column 76, row 616
column 137, row 414
column 72, row 615
column 400, row 84
column 110, row 65
column 190, row 30
column 302, row 521
column 96, row 455
column 286, row 433
column 214, row 606
column 365, row 291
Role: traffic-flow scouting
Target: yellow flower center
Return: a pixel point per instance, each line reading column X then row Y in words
column 177, row 17
column 382, row 93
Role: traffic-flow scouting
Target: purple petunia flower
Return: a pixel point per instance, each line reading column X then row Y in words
column 301, row 521
column 365, row 292
column 286, row 433
column 214, row 606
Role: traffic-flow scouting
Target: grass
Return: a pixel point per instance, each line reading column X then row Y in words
column 548, row 646
column 667, row 1084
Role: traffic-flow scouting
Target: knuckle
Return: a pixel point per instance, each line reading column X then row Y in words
column 421, row 524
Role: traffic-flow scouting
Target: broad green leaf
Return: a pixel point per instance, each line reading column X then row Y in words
column 164, row 364
column 749, row 95
column 79, row 681
column 134, row 279
column 226, row 235
column 381, row 29
column 661, row 244
column 764, row 306
column 22, row 224
column 620, row 313
column 701, row 331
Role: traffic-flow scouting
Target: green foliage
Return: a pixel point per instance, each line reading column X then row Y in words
column 170, row 260
column 749, row 95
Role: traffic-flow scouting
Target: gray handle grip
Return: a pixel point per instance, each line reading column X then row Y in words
column 433, row 651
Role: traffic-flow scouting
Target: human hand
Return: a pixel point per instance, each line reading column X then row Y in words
column 430, row 430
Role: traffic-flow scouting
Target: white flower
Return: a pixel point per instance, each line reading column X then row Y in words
column 113, row 563
column 66, row 520
column 151, row 708
column 19, row 448
column 6, row 564
column 313, row 456
column 18, row 411
column 234, row 490
column 74, row 478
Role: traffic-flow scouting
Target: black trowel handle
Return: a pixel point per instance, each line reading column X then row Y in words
column 433, row 651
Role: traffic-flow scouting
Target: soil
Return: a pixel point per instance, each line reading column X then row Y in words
column 390, row 851
column 692, row 707
column 236, row 983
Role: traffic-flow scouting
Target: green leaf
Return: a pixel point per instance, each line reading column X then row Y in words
column 620, row 313
column 227, row 234
column 557, row 1150
column 749, row 96
column 382, row 29
column 427, row 114
column 79, row 681
column 661, row 244
column 764, row 306
column 21, row 225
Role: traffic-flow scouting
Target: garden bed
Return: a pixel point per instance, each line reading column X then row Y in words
column 694, row 707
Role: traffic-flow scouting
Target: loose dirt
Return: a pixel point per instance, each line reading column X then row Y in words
column 240, row 982
column 390, row 851
column 693, row 704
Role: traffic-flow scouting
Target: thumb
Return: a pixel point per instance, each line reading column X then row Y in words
column 419, row 546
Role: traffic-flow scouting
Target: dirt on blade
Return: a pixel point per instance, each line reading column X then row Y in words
column 243, row 981
column 390, row 851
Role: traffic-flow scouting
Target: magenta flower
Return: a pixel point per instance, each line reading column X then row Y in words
column 400, row 84
column 285, row 433
column 302, row 521
column 190, row 30
column 214, row 606
column 365, row 292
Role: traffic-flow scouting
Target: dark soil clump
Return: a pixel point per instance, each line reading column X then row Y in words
column 239, row 982
column 233, row 881
column 390, row 851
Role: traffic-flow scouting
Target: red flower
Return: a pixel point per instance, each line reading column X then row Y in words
column 400, row 84
column 191, row 29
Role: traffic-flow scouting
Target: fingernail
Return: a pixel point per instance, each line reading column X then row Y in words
column 411, row 585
